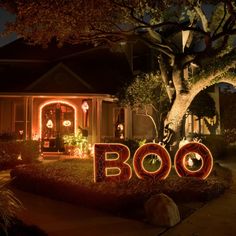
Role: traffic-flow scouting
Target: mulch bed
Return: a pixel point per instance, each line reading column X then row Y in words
column 72, row 181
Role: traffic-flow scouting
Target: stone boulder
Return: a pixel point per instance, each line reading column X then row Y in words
column 161, row 210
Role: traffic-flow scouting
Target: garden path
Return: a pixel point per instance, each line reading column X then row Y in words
column 217, row 217
column 59, row 219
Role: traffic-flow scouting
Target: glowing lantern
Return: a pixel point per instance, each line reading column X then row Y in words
column 67, row 123
column 49, row 124
column 85, row 108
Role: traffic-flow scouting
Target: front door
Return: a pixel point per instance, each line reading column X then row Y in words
column 57, row 120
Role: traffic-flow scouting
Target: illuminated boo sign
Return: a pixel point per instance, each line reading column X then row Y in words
column 103, row 164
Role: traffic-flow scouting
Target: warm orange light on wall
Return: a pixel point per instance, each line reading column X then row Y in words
column 52, row 102
column 123, row 170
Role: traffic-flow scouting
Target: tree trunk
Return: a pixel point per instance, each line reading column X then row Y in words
column 175, row 117
column 184, row 98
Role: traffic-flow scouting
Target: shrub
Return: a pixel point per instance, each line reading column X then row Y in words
column 9, row 205
column 230, row 135
column 7, row 137
column 216, row 144
column 76, row 144
column 10, row 151
column 132, row 144
column 29, row 150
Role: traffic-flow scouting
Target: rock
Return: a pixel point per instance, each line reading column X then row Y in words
column 161, row 210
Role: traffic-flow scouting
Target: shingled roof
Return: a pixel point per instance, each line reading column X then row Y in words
column 70, row 69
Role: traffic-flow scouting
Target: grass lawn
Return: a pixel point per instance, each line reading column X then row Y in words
column 72, row 181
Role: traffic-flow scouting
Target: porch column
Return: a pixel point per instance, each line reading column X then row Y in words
column 96, row 120
column 31, row 113
column 128, row 123
column 26, row 100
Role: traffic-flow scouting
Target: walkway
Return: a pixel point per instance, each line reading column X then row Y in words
column 59, row 219
column 217, row 218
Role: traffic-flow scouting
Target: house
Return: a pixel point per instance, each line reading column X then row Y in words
column 46, row 93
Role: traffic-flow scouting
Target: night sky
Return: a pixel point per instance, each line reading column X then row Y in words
column 5, row 17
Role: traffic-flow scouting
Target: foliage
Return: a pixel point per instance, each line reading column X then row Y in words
column 75, row 139
column 13, row 153
column 72, row 180
column 9, row 205
column 77, row 142
column 18, row 227
column 180, row 33
column 29, row 150
column 203, row 105
column 217, row 145
column 230, row 135
column 7, row 137
column 146, row 90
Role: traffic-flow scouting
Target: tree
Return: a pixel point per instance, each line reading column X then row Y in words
column 181, row 33
column 202, row 106
column 147, row 91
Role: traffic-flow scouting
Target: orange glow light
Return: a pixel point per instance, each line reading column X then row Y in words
column 149, row 149
column 102, row 163
column 51, row 102
column 203, row 151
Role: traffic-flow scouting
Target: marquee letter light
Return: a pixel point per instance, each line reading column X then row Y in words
column 149, row 149
column 102, row 162
column 203, row 151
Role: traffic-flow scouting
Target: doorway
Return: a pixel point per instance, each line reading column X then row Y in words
column 58, row 119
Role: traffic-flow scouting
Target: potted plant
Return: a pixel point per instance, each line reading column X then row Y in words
column 76, row 144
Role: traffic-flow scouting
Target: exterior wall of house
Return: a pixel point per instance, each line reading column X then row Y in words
column 142, row 126
column 14, row 111
column 108, row 122
column 13, row 116
column 6, row 115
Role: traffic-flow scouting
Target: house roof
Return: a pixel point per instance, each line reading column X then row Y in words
column 70, row 69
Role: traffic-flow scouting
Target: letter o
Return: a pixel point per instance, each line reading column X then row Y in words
column 148, row 149
column 203, row 151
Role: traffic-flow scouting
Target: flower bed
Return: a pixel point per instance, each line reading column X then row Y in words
column 72, row 181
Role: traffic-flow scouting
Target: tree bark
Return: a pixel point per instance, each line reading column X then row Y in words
column 183, row 100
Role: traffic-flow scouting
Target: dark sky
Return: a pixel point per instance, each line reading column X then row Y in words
column 5, row 17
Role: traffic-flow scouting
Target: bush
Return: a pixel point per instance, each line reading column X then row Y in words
column 10, row 151
column 7, row 137
column 230, row 135
column 216, row 144
column 29, row 151
column 9, row 205
column 132, row 144
column 76, row 144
